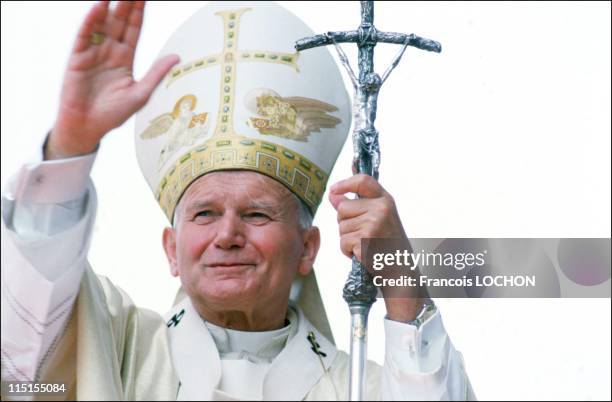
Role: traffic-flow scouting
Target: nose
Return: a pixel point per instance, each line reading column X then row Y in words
column 230, row 232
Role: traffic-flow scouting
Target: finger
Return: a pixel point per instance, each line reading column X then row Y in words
column 336, row 199
column 353, row 225
column 351, row 246
column 346, row 246
column 134, row 24
column 116, row 20
column 363, row 185
column 357, row 252
column 352, row 208
column 159, row 69
column 94, row 22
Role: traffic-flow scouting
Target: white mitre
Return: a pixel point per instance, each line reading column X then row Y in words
column 243, row 98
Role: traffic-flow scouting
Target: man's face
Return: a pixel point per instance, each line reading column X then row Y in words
column 236, row 244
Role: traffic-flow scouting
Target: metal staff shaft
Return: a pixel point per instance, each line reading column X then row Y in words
column 359, row 291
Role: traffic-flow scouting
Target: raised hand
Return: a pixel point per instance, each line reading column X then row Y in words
column 99, row 92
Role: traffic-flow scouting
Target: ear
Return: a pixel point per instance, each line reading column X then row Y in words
column 169, row 242
column 312, row 241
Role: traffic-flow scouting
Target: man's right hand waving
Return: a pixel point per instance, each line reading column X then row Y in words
column 99, row 92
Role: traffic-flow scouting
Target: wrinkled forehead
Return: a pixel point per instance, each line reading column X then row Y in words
column 237, row 186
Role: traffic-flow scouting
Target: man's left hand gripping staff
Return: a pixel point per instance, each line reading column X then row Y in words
column 372, row 215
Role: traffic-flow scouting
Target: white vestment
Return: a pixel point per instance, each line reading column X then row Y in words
column 62, row 322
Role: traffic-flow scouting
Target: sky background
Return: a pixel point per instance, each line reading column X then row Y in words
column 506, row 133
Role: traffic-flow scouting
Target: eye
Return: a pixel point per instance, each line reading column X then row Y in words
column 256, row 217
column 203, row 216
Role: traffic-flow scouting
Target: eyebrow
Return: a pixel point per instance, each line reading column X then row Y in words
column 273, row 208
column 198, row 205
column 265, row 206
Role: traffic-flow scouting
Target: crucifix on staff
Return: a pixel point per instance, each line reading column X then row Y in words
column 359, row 291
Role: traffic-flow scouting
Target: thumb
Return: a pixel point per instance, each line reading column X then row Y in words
column 145, row 87
column 336, row 199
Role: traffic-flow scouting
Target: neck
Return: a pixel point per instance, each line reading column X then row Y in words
column 255, row 320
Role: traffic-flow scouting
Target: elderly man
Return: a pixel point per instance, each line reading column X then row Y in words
column 249, row 322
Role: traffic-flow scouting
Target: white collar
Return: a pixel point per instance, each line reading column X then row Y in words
column 257, row 347
column 292, row 374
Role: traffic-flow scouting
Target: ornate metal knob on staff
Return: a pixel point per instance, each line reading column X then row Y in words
column 359, row 291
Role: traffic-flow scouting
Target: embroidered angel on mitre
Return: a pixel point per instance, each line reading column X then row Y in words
column 183, row 126
column 292, row 117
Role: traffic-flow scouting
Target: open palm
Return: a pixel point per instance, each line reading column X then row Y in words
column 99, row 92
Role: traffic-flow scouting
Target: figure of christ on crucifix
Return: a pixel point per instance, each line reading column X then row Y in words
column 365, row 136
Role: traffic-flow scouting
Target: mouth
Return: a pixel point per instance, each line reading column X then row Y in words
column 230, row 265
column 229, row 270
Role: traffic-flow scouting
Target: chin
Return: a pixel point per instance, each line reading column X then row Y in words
column 227, row 292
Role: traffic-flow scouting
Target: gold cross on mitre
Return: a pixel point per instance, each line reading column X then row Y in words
column 228, row 60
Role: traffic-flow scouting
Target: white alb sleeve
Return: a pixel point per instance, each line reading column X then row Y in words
column 422, row 364
column 48, row 211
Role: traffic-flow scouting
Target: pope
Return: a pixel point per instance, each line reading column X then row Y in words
column 236, row 134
